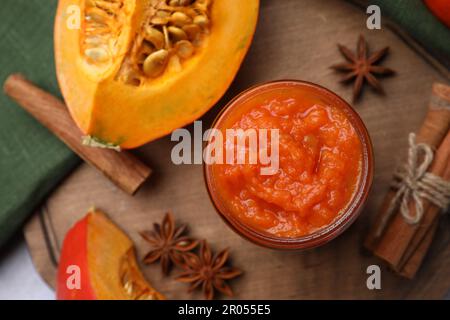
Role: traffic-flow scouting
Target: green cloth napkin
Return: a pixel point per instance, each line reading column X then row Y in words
column 32, row 160
column 414, row 17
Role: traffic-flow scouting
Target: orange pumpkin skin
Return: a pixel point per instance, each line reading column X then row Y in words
column 129, row 116
column 74, row 253
column 441, row 9
column 104, row 257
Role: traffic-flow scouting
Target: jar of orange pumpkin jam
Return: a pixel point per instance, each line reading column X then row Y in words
column 322, row 177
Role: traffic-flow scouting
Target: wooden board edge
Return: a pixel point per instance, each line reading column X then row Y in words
column 36, row 231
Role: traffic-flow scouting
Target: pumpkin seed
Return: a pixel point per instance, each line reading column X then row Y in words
column 160, row 21
column 100, row 35
column 180, row 19
column 107, row 5
column 98, row 15
column 176, row 3
column 97, row 54
column 163, row 14
column 202, row 5
column 201, row 21
column 128, row 286
column 155, row 63
column 192, row 31
column 132, row 287
column 97, row 29
column 154, row 36
column 94, row 41
column 172, row 31
column 177, row 33
column 184, row 49
column 146, row 296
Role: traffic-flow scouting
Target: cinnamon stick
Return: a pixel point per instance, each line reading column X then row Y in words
column 122, row 168
column 432, row 132
column 414, row 262
column 399, row 233
column 423, row 237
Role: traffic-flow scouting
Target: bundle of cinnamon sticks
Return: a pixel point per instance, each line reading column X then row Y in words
column 396, row 240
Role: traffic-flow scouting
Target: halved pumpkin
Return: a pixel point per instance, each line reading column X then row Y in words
column 135, row 70
column 98, row 263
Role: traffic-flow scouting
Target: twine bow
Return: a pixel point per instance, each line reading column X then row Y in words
column 414, row 183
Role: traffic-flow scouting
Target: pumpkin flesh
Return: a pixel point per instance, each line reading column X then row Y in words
column 106, row 261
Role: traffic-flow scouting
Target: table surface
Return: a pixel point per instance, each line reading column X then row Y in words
column 274, row 45
column 285, row 47
column 18, row 277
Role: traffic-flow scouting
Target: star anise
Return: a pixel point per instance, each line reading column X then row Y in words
column 362, row 67
column 208, row 272
column 168, row 244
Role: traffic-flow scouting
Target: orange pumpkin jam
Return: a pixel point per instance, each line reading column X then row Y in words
column 320, row 156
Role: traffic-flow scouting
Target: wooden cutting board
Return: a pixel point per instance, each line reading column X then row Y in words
column 295, row 39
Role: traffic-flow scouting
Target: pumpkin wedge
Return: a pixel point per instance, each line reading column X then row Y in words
column 132, row 71
column 98, row 263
